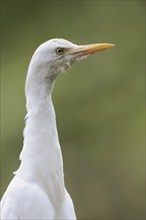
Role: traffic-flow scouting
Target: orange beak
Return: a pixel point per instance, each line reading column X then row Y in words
column 91, row 48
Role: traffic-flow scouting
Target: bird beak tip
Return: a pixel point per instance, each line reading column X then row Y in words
column 113, row 45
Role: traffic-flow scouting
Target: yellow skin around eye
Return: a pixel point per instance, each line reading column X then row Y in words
column 59, row 50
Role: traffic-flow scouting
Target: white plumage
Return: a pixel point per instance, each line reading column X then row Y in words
column 37, row 190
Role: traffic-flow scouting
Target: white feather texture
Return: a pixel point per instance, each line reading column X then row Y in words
column 37, row 190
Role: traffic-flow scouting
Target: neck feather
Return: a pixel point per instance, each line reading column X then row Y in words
column 41, row 153
column 41, row 157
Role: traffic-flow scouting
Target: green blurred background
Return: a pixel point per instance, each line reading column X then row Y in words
column 99, row 103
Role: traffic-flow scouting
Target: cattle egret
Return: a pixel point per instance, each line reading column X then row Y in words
column 37, row 190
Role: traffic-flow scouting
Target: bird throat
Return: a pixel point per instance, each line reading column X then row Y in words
column 41, row 154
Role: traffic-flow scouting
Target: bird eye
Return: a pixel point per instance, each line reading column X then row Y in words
column 59, row 50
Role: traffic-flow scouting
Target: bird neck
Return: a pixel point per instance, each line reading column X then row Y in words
column 41, row 157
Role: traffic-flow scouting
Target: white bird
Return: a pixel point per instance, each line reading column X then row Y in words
column 37, row 190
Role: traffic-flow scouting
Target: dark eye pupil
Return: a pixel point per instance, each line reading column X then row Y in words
column 59, row 50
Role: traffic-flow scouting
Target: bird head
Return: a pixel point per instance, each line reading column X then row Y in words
column 50, row 59
column 57, row 55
